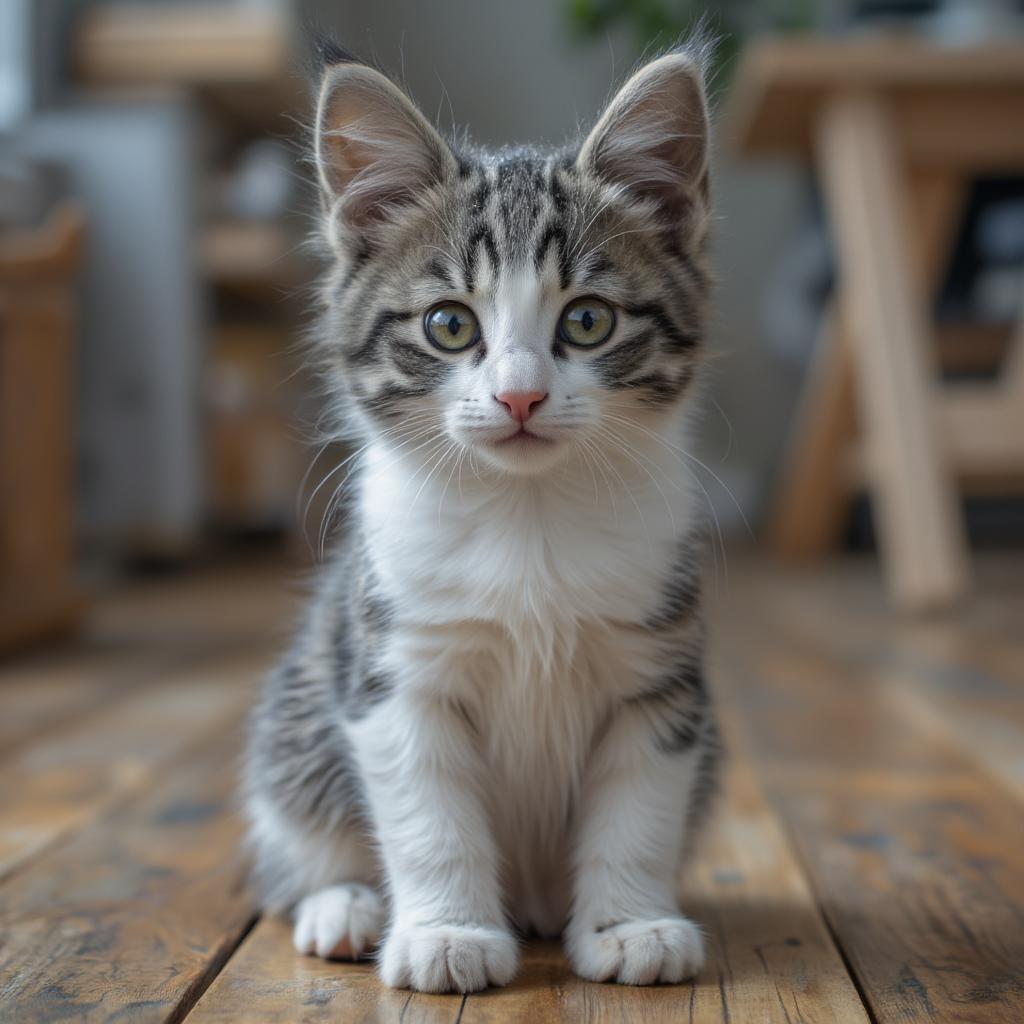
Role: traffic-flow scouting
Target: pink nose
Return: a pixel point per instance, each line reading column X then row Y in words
column 520, row 403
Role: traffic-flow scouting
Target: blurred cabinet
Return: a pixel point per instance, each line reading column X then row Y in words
column 132, row 162
column 37, row 315
column 234, row 66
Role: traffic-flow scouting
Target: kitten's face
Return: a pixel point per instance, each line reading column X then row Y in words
column 520, row 306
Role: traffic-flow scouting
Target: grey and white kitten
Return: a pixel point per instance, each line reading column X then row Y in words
column 495, row 721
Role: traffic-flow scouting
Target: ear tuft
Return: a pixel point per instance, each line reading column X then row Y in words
column 327, row 53
column 374, row 149
column 322, row 51
column 653, row 138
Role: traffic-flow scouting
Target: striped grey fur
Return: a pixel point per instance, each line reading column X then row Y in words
column 474, row 217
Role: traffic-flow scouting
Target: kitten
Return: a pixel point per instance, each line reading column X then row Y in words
column 495, row 720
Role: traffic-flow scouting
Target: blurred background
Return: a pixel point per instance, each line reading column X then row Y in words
column 154, row 199
column 164, row 490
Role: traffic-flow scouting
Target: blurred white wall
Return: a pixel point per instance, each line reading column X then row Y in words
column 510, row 71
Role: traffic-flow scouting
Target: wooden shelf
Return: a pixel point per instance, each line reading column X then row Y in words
column 53, row 250
column 187, row 44
column 248, row 252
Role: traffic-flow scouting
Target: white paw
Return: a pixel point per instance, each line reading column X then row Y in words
column 448, row 958
column 339, row 923
column 639, row 952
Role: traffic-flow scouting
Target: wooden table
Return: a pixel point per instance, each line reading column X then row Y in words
column 896, row 130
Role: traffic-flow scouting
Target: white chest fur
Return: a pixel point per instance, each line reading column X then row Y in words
column 517, row 601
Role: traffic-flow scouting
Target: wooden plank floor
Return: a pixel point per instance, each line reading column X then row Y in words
column 866, row 863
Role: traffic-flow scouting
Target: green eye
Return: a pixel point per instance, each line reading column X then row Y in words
column 451, row 326
column 587, row 322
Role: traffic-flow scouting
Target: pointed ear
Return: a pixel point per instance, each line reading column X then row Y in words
column 653, row 137
column 374, row 149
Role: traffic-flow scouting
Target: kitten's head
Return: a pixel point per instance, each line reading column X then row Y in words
column 521, row 303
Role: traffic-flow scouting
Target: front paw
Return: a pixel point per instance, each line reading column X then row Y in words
column 338, row 923
column 666, row 949
column 448, row 958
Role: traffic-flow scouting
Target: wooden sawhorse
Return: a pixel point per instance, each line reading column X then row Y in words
column 896, row 131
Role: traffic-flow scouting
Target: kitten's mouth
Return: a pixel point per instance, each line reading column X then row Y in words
column 522, row 451
column 522, row 437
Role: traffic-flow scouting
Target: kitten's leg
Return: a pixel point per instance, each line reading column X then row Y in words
column 626, row 924
column 448, row 930
column 309, row 846
column 323, row 879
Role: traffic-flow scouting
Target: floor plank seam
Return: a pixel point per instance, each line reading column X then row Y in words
column 198, row 988
column 848, row 964
column 864, row 865
column 823, row 914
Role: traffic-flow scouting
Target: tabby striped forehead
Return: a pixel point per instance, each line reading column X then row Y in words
column 508, row 216
column 521, row 209
column 414, row 222
column 519, row 213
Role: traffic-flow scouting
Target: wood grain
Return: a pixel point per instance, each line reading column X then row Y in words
column 43, row 693
column 961, row 682
column 81, row 769
column 129, row 920
column 954, row 107
column 138, row 634
column 38, row 595
column 869, row 823
column 770, row 956
column 914, row 856
column 895, row 127
column 267, row 980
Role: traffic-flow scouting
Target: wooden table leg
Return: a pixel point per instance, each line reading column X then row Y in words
column 935, row 200
column 916, row 506
column 813, row 496
column 812, row 503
